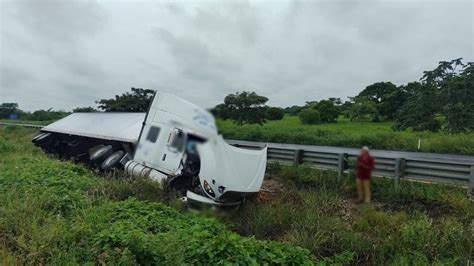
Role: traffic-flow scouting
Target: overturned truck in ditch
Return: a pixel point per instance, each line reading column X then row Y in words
column 175, row 143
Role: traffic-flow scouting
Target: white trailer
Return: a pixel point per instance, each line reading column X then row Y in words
column 175, row 143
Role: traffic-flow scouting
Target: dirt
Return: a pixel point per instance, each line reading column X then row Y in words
column 347, row 208
column 271, row 189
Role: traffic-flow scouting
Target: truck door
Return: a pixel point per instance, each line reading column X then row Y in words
column 174, row 151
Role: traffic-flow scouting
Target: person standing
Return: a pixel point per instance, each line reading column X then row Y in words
column 365, row 165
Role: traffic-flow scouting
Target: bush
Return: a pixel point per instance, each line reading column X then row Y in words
column 327, row 110
column 309, row 116
column 275, row 113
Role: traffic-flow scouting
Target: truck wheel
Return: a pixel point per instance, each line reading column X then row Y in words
column 112, row 160
column 101, row 153
column 36, row 136
column 73, row 144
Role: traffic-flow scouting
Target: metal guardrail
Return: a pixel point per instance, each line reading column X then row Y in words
column 21, row 125
column 420, row 166
column 429, row 167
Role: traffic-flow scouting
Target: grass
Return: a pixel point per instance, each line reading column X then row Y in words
column 55, row 212
column 60, row 213
column 345, row 133
column 416, row 224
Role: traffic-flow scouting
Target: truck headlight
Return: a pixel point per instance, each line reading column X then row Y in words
column 208, row 189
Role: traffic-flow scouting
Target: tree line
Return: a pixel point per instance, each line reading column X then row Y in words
column 137, row 100
column 443, row 99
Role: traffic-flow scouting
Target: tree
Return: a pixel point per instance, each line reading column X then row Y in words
column 328, row 111
column 275, row 113
column 46, row 115
column 454, row 81
column 292, row 110
column 309, row 116
column 445, row 92
column 419, row 112
column 362, row 109
column 345, row 108
column 245, row 108
column 88, row 109
column 7, row 109
column 136, row 101
column 386, row 97
column 336, row 101
column 220, row 111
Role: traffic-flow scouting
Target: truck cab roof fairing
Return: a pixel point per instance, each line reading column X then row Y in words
column 177, row 112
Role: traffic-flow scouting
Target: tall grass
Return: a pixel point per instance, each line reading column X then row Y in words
column 417, row 223
column 345, row 133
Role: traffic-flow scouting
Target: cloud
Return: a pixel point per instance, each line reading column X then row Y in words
column 65, row 54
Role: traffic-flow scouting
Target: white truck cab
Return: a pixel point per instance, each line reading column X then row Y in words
column 175, row 143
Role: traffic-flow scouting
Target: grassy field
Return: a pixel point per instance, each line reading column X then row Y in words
column 345, row 133
column 54, row 212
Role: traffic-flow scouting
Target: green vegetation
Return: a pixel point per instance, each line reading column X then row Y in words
column 54, row 212
column 244, row 108
column 136, row 101
column 416, row 224
column 60, row 213
column 442, row 101
column 88, row 109
column 346, row 133
column 310, row 116
column 275, row 113
column 12, row 111
column 447, row 90
column 325, row 111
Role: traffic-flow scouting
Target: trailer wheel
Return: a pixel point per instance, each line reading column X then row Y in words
column 73, row 144
column 37, row 135
column 101, row 153
column 112, row 160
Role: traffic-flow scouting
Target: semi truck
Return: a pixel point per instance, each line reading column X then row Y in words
column 175, row 143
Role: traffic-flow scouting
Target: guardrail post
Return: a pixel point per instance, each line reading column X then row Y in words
column 399, row 170
column 470, row 188
column 341, row 164
column 298, row 157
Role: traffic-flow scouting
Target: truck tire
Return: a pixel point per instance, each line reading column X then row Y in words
column 101, row 153
column 36, row 136
column 112, row 160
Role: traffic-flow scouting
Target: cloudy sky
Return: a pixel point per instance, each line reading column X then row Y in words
column 64, row 54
